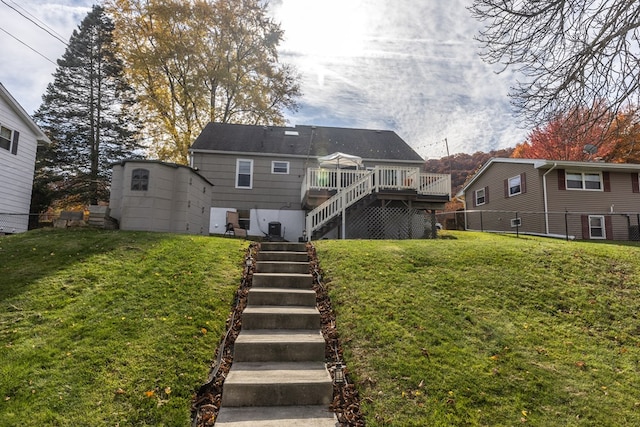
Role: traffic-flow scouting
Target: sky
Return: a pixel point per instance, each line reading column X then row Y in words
column 411, row 66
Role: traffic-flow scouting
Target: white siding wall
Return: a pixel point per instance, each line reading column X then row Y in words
column 16, row 172
column 292, row 221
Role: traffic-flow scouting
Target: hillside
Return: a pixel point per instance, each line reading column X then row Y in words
column 119, row 328
column 462, row 165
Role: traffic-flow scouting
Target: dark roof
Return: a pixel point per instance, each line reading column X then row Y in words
column 307, row 141
column 159, row 162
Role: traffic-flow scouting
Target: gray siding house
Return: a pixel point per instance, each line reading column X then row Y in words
column 150, row 195
column 19, row 139
column 272, row 176
column 582, row 200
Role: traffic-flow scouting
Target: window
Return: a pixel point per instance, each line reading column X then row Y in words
column 596, row 227
column 480, row 197
column 584, row 181
column 244, row 173
column 515, row 186
column 5, row 138
column 280, row 167
column 140, row 180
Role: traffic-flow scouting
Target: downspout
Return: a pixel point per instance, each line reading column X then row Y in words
column 544, row 195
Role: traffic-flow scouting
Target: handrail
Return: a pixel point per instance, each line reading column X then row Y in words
column 346, row 197
column 361, row 184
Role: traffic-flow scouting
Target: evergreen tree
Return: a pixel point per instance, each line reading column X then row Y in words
column 87, row 113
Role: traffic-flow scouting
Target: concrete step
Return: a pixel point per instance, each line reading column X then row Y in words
column 283, row 246
column 281, row 296
column 277, row 345
column 282, row 267
column 276, row 416
column 283, row 256
column 277, row 317
column 277, row 384
column 283, row 280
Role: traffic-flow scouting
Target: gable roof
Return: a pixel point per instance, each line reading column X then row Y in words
column 553, row 164
column 304, row 141
column 19, row 111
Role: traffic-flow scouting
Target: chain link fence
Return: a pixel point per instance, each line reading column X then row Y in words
column 568, row 225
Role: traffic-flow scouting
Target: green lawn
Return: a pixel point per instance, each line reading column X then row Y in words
column 489, row 330
column 110, row 328
column 119, row 328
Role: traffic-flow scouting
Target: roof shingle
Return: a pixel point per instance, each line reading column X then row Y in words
column 310, row 141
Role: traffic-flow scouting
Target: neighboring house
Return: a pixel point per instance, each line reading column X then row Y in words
column 272, row 177
column 19, row 139
column 583, row 200
column 150, row 195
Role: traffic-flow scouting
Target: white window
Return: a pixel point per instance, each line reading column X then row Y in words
column 244, row 173
column 5, row 138
column 515, row 185
column 480, row 197
column 280, row 167
column 596, row 227
column 584, row 181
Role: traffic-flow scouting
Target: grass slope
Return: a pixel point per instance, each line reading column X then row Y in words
column 110, row 328
column 489, row 330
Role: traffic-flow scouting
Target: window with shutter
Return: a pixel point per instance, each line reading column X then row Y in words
column 515, row 185
column 5, row 138
column 589, row 181
column 480, row 197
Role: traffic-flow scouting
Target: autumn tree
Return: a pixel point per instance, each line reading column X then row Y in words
column 198, row 61
column 571, row 137
column 86, row 113
column 570, row 54
column 625, row 131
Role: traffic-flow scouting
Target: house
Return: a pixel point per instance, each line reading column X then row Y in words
column 274, row 178
column 19, row 139
column 150, row 195
column 582, row 200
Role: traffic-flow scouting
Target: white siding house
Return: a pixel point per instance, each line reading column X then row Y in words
column 19, row 139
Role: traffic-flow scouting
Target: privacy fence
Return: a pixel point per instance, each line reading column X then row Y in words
column 568, row 225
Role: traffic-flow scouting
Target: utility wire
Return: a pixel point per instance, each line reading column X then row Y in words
column 59, row 36
column 55, row 36
column 14, row 37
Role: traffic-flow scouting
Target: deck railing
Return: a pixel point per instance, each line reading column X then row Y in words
column 385, row 177
column 353, row 185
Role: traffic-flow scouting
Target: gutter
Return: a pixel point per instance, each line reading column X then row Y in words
column 544, row 196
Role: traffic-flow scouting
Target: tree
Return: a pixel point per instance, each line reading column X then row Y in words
column 571, row 53
column 198, row 61
column 87, row 114
column 568, row 137
column 625, row 130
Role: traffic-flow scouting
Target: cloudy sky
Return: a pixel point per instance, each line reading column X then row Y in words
column 410, row 66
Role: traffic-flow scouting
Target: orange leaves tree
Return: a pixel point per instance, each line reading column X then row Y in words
column 585, row 134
